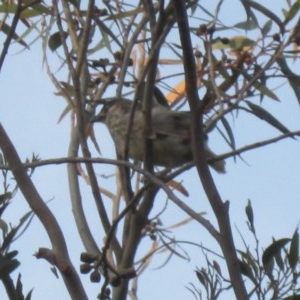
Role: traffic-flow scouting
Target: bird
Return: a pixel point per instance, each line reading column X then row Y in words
column 171, row 138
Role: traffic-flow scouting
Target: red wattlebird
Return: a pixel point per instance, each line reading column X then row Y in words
column 171, row 140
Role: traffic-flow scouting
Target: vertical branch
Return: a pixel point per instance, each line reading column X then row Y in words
column 220, row 209
column 84, row 41
column 159, row 31
column 149, row 88
column 136, row 220
column 129, row 46
column 80, row 77
column 124, row 172
column 70, row 22
column 76, row 201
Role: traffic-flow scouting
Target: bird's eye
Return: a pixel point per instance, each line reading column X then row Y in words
column 105, row 109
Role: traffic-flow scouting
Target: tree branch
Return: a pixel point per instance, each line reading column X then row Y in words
column 76, row 201
column 220, row 209
column 258, row 145
column 36, row 203
column 99, row 160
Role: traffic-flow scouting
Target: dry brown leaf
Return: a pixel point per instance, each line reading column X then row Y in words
column 178, row 187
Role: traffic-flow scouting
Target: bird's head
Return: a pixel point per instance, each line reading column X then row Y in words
column 102, row 115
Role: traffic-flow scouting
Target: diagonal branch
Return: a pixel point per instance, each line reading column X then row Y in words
column 38, row 206
column 258, row 144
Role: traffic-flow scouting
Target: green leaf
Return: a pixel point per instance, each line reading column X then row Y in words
column 268, row 13
column 247, row 25
column 8, row 239
column 292, row 12
column 266, row 28
column 19, row 290
column 271, row 251
column 250, row 215
column 261, row 80
column 41, row 9
column 293, row 255
column 261, row 113
column 174, row 47
column 279, row 261
column 246, row 270
column 32, row 11
column 4, row 197
column 19, row 287
column 249, row 12
column 294, row 79
column 28, row 296
column 106, row 32
column 265, row 91
column 251, row 262
column 55, row 41
column 7, row 266
column 260, row 86
column 11, row 254
column 24, row 222
column 128, row 13
column 202, row 277
column 230, row 140
column 206, row 11
column 7, row 29
column 3, row 226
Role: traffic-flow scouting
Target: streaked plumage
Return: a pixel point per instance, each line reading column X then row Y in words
column 171, row 133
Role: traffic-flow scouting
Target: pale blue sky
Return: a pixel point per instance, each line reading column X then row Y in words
column 29, row 112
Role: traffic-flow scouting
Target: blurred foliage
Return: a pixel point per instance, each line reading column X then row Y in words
column 270, row 273
column 9, row 233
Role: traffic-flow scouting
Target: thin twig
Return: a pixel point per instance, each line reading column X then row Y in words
column 258, row 145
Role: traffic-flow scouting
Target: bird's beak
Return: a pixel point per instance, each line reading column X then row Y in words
column 100, row 117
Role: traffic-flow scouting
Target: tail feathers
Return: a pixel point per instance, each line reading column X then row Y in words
column 217, row 164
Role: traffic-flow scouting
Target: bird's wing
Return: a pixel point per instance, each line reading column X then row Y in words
column 171, row 123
